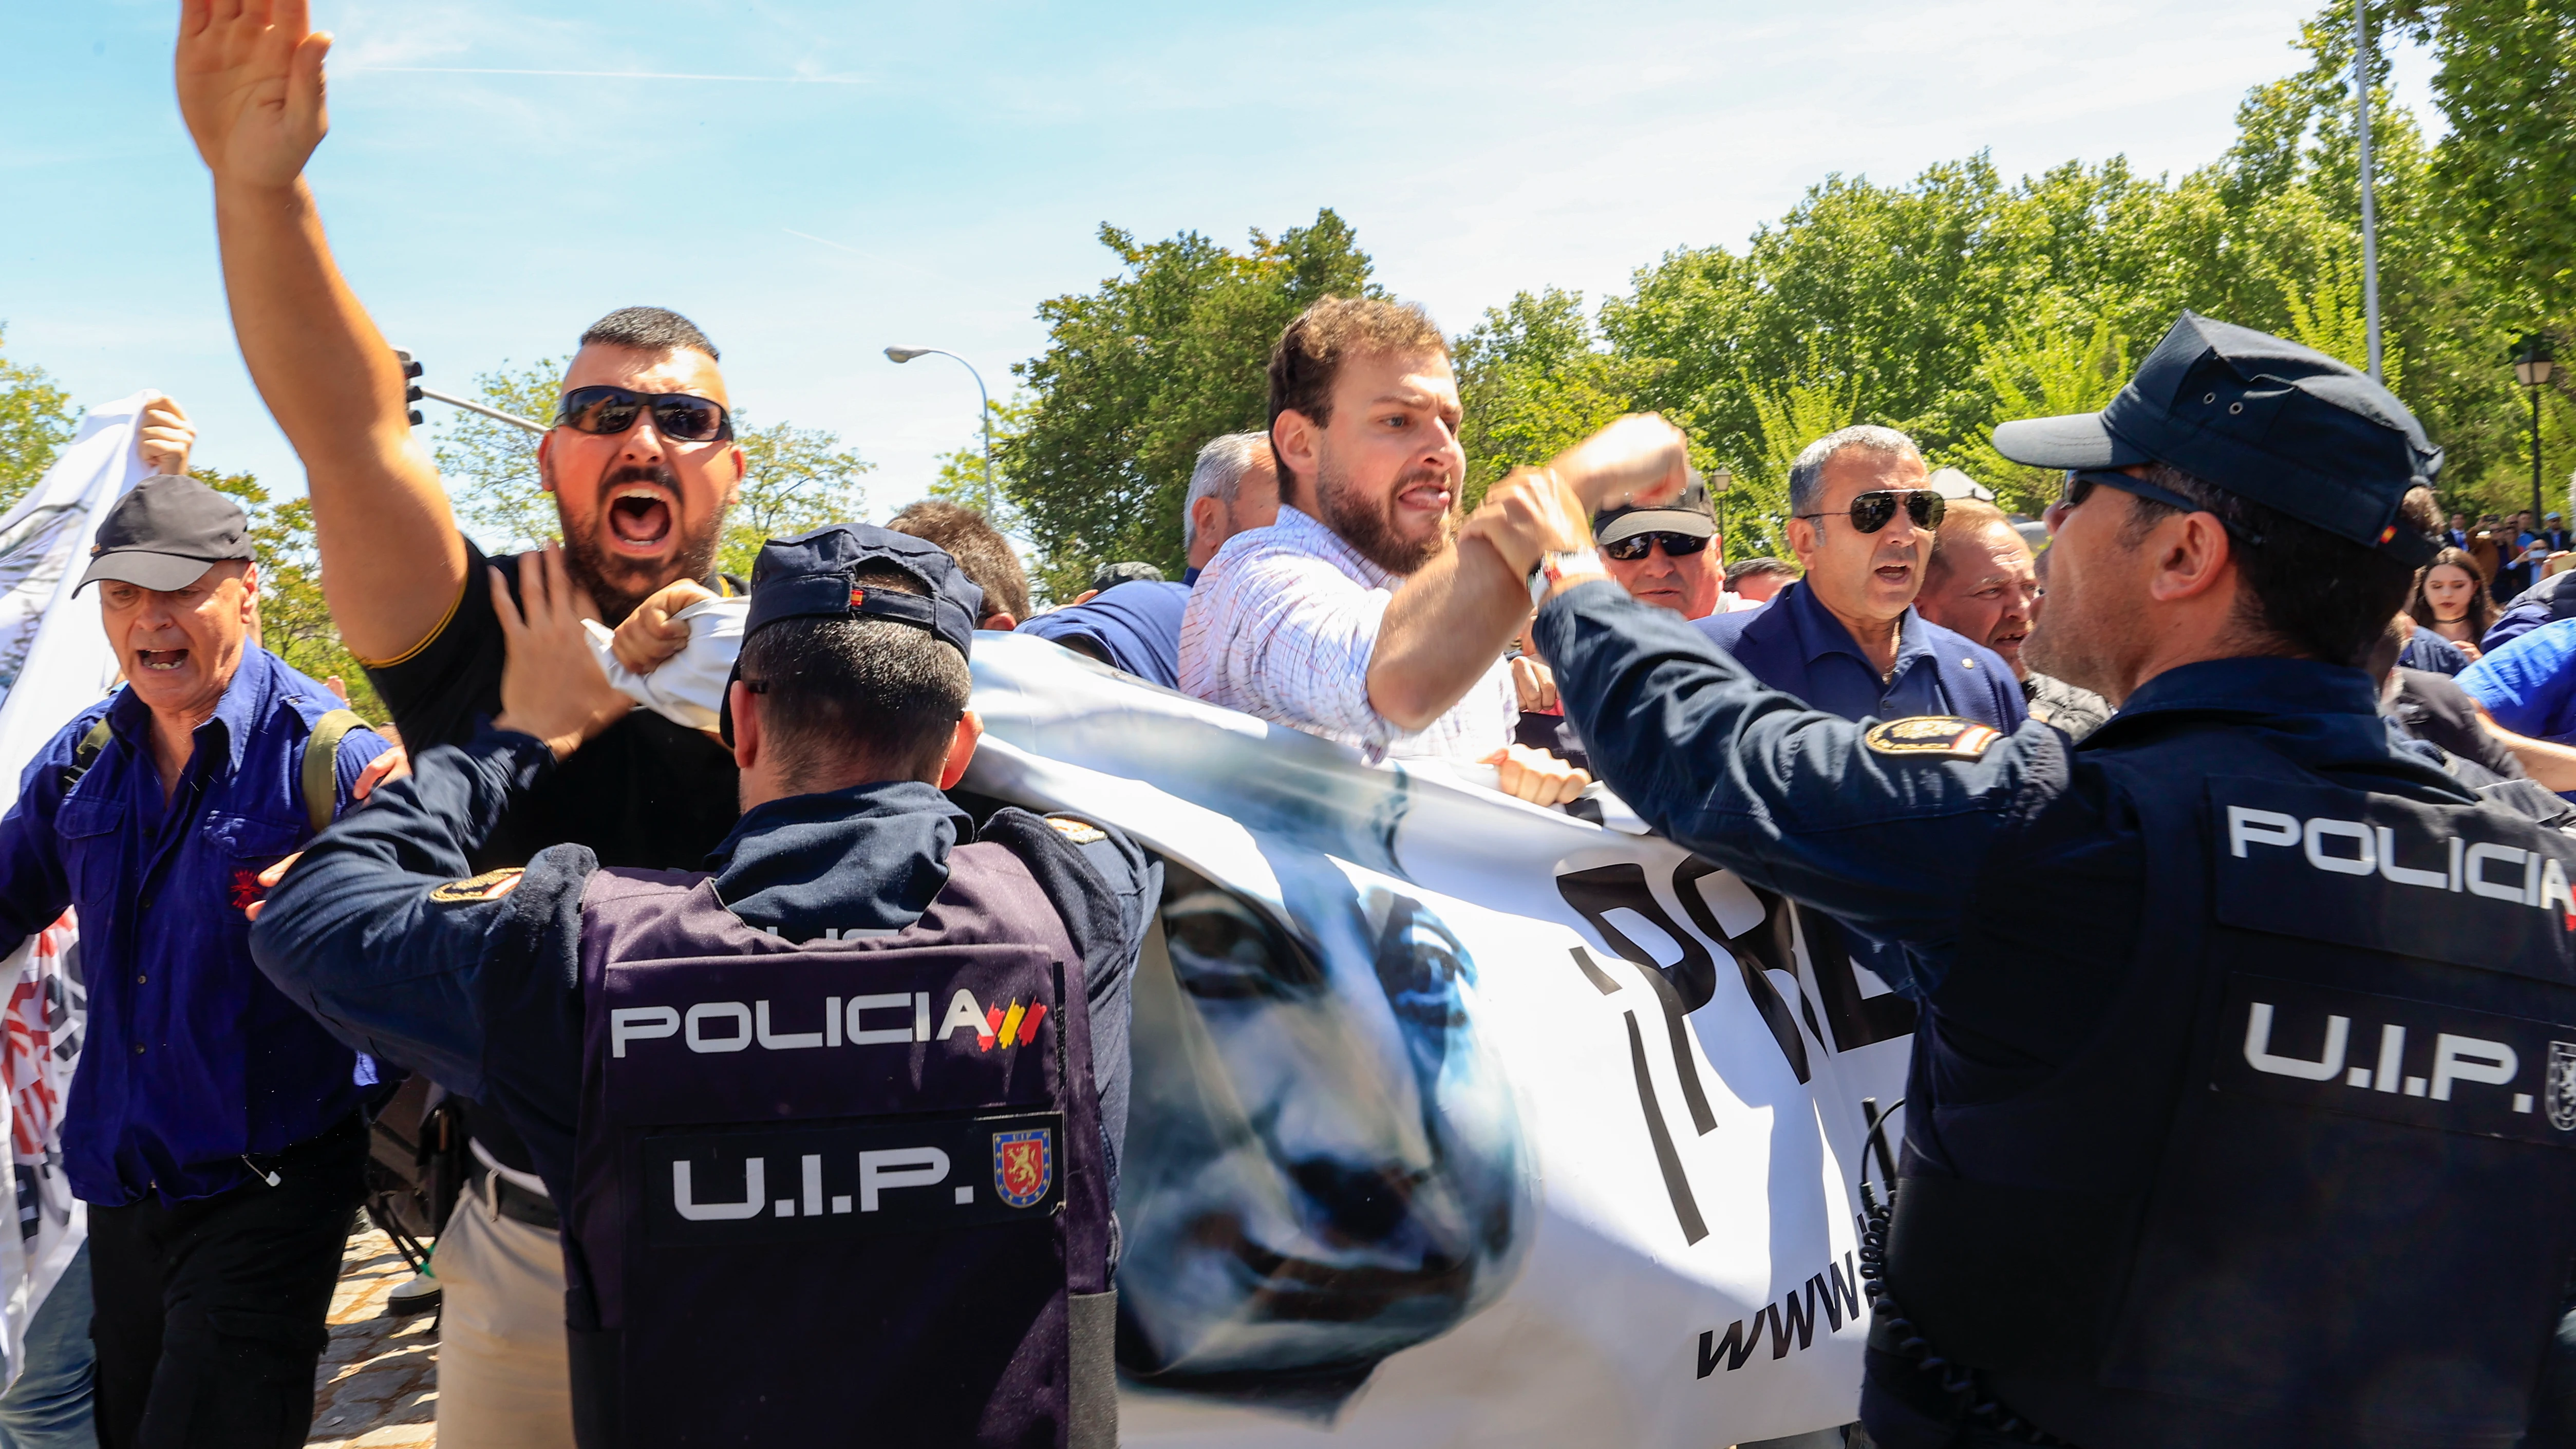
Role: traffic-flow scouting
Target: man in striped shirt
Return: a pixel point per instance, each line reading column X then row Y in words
column 1361, row 614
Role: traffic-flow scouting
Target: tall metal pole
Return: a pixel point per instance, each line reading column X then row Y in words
column 2369, row 215
column 2537, row 516
column 907, row 354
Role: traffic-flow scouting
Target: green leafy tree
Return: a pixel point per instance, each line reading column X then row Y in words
column 295, row 623
column 490, row 468
column 962, row 479
column 36, row 420
column 794, row 479
column 1787, row 416
column 1139, row 373
column 2506, row 81
column 2032, row 373
column 1532, row 382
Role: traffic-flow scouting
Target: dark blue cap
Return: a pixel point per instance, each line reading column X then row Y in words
column 2283, row 425
column 814, row 575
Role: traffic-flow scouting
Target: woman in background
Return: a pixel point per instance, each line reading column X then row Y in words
column 2451, row 600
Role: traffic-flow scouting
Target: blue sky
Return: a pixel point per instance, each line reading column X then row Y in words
column 876, row 174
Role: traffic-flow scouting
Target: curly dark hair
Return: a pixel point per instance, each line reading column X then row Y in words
column 2482, row 609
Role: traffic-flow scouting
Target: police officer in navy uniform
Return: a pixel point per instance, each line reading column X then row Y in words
column 2243, row 1101
column 837, row 1124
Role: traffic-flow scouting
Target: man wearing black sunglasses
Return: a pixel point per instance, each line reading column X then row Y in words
column 1667, row 555
column 643, row 465
column 1846, row 637
column 2240, row 1113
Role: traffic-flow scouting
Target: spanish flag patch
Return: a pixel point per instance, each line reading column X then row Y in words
column 1947, row 736
column 491, row 885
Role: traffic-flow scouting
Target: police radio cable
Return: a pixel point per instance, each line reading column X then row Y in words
column 1956, row 1380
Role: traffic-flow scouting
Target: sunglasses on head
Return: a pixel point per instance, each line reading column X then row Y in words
column 609, row 411
column 2081, row 482
column 1637, row 545
column 1873, row 511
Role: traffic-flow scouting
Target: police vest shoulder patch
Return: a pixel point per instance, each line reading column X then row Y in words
column 1944, row 735
column 491, row 885
column 1080, row 832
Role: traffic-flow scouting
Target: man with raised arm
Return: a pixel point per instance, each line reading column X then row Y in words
column 642, row 464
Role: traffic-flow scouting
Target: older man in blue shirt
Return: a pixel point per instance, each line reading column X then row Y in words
column 1846, row 637
column 213, row 1126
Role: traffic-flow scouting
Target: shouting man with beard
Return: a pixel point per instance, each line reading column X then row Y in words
column 642, row 463
column 1353, row 617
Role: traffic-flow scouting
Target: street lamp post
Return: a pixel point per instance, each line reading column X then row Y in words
column 2531, row 367
column 907, row 354
column 2369, row 217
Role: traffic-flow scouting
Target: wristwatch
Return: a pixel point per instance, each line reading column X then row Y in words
column 1556, row 566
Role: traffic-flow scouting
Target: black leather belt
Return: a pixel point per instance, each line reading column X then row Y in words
column 517, row 1203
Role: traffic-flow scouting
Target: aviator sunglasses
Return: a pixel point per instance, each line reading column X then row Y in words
column 1873, row 511
column 1637, row 545
column 608, row 411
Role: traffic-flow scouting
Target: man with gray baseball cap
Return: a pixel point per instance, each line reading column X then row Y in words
column 2235, row 1114
column 214, row 1128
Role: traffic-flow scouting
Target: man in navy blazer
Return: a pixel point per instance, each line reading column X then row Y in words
column 1846, row 637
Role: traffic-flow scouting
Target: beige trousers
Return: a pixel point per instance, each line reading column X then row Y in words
column 503, row 1377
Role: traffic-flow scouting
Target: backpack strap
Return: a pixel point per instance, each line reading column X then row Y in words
column 86, row 753
column 321, row 764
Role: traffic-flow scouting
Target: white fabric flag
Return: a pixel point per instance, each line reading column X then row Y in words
column 1456, row 1121
column 47, row 643
column 54, row 661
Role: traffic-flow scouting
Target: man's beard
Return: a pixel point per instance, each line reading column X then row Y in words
column 617, row 584
column 2058, row 651
column 1367, row 523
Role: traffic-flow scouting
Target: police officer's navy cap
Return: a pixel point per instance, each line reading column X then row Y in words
column 165, row 534
column 814, row 575
column 2283, row 425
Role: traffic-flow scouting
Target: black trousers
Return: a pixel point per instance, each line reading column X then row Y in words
column 209, row 1316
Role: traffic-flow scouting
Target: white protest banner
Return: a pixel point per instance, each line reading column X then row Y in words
column 1455, row 1121
column 54, row 660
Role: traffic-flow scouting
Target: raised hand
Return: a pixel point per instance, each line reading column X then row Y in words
column 166, row 436
column 551, row 685
column 1638, row 458
column 250, row 87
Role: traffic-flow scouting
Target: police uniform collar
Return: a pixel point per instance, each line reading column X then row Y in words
column 2253, row 687
column 869, row 855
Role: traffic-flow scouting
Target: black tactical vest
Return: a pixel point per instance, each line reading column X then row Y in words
column 2314, row 1182
column 845, row 1192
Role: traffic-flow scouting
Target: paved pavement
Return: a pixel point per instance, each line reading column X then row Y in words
column 378, row 1383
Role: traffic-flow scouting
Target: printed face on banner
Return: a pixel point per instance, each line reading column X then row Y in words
column 1324, row 1165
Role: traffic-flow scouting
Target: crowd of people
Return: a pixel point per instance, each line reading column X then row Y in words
column 556, row 904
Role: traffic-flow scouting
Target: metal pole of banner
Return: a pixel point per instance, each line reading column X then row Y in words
column 2369, row 214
